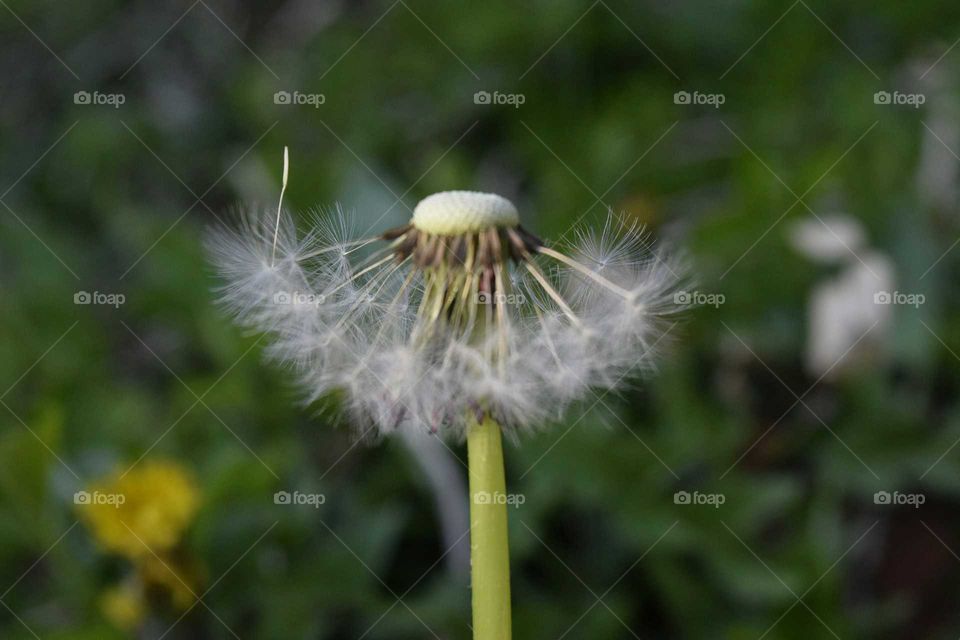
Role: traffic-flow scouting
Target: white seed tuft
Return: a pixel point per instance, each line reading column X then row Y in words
column 361, row 316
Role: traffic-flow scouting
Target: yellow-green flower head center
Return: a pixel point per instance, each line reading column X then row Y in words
column 458, row 212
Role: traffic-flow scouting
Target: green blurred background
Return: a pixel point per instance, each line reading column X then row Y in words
column 790, row 396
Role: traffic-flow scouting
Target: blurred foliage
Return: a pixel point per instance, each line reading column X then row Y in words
column 115, row 200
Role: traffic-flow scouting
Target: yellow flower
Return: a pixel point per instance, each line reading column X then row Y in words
column 141, row 512
column 123, row 606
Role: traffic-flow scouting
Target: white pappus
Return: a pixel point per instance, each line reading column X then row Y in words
column 458, row 314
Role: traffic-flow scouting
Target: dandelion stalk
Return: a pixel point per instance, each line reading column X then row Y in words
column 451, row 325
column 489, row 554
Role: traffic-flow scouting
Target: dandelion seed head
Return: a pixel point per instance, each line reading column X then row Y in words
column 459, row 314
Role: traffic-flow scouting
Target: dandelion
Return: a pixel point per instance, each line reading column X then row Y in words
column 167, row 584
column 460, row 324
column 142, row 515
column 147, row 510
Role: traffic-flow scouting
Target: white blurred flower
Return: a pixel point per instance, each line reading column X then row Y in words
column 459, row 313
column 845, row 323
column 842, row 310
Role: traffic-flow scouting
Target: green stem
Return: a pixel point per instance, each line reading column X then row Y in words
column 489, row 554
